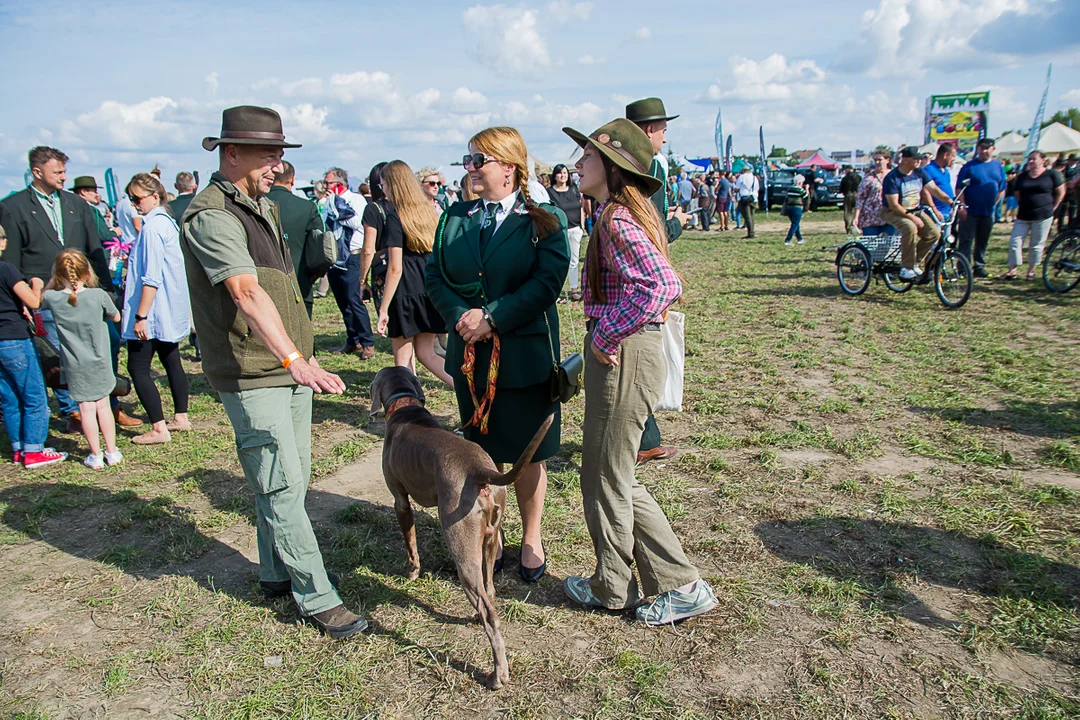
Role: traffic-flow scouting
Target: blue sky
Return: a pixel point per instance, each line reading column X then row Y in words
column 360, row 82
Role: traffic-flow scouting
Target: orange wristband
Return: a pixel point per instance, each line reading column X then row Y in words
column 289, row 360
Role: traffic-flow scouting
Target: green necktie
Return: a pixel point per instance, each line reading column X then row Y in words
column 488, row 228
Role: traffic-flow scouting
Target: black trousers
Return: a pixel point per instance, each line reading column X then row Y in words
column 975, row 230
column 140, row 355
column 345, row 284
column 746, row 209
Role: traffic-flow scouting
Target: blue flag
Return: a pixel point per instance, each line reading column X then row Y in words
column 112, row 195
column 727, row 154
column 1036, row 127
column 718, row 137
column 764, row 168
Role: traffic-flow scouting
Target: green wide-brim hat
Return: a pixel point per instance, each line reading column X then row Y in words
column 647, row 110
column 84, row 182
column 249, row 125
column 626, row 145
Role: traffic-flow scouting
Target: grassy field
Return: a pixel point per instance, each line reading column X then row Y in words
column 884, row 494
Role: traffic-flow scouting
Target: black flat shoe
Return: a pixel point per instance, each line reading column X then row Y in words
column 274, row 590
column 531, row 575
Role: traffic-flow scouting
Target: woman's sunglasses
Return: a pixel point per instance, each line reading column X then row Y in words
column 476, row 161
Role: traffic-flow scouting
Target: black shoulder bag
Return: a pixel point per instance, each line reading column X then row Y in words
column 565, row 376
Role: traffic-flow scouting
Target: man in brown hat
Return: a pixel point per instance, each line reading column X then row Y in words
column 649, row 115
column 257, row 346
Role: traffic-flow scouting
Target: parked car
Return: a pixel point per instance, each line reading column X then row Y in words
column 826, row 188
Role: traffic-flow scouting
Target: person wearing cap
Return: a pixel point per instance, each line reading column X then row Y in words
column 41, row 221
column 902, row 195
column 258, row 354
column 651, row 116
column 940, row 171
column 746, row 190
column 629, row 285
column 981, row 198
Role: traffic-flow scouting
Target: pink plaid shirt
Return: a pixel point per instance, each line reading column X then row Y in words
column 638, row 282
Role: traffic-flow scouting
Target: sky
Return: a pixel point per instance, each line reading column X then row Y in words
column 128, row 85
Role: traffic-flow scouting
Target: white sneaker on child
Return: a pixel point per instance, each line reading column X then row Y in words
column 94, row 462
column 113, row 458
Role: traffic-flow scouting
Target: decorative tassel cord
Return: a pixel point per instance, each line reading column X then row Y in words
column 482, row 407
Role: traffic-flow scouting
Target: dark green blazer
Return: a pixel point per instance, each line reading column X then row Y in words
column 32, row 244
column 659, row 198
column 301, row 222
column 516, row 281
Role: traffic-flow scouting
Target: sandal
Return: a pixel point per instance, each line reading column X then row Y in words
column 1030, row 277
column 575, row 296
column 1007, row 276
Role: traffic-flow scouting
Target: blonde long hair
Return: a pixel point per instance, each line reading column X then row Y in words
column 418, row 218
column 70, row 268
column 506, row 145
column 627, row 193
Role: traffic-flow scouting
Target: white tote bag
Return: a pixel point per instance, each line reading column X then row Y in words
column 673, row 348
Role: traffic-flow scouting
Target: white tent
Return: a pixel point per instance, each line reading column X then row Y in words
column 1058, row 138
column 1011, row 144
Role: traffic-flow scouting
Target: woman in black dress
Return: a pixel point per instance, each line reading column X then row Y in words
column 405, row 313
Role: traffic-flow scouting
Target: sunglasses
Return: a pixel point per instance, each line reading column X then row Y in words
column 476, row 161
column 431, row 183
column 137, row 198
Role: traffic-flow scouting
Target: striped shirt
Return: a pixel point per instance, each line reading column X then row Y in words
column 638, row 283
column 157, row 261
column 795, row 196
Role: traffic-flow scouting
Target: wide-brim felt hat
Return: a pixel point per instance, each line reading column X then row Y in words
column 249, row 125
column 624, row 144
column 647, row 110
column 84, row 182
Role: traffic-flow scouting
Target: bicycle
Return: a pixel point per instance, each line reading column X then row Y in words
column 860, row 260
column 1061, row 264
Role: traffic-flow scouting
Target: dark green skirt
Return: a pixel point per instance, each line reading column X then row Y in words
column 516, row 415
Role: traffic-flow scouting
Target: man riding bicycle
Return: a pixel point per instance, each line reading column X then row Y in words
column 903, row 192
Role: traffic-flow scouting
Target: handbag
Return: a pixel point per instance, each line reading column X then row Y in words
column 565, row 376
column 320, row 252
column 673, row 348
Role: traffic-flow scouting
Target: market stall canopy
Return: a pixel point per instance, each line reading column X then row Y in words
column 1058, row 138
column 1011, row 144
column 818, row 160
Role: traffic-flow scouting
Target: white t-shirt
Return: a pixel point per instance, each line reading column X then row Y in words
column 746, row 186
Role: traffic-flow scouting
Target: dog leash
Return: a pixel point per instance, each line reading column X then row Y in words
column 482, row 407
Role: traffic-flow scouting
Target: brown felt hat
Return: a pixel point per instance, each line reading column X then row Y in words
column 249, row 125
column 647, row 110
column 624, row 144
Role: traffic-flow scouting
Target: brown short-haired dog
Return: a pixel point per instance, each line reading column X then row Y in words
column 432, row 466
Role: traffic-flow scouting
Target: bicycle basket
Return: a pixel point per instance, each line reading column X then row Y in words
column 880, row 247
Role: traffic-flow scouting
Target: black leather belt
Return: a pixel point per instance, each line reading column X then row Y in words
column 648, row 327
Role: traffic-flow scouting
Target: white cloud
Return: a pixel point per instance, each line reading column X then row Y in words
column 212, row 82
column 305, row 123
column 507, row 40
column 905, row 38
column 590, row 60
column 151, row 123
column 1071, row 98
column 465, row 100
column 564, row 11
column 643, row 33
column 773, row 79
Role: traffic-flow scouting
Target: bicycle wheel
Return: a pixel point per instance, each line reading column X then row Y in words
column 1061, row 266
column 894, row 282
column 952, row 279
column 853, row 269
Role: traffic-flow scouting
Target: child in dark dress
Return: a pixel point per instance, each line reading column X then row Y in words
column 406, row 314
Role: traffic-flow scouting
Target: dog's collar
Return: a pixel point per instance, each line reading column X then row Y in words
column 399, row 401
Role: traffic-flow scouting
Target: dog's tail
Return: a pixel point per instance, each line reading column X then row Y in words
column 526, row 457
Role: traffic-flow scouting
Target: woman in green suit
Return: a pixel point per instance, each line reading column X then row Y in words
column 497, row 268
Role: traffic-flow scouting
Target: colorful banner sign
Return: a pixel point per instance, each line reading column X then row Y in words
column 958, row 119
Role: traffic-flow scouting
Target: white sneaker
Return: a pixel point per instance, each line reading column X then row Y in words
column 94, row 462
column 800, row 242
column 788, row 243
column 906, row 274
column 113, row 458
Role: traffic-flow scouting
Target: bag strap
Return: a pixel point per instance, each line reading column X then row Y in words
column 547, row 323
column 466, row 290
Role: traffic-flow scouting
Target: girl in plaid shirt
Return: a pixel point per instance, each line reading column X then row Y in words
column 629, row 285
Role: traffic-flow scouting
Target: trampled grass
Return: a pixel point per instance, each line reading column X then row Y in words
column 884, row 494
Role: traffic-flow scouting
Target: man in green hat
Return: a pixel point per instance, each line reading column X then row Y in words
column 302, row 224
column 258, row 353
column 649, row 115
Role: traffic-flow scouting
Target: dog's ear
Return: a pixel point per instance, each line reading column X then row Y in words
column 417, row 387
column 376, row 394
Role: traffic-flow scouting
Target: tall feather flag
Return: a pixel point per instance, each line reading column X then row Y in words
column 719, row 138
column 727, row 154
column 112, row 193
column 764, row 168
column 1036, row 127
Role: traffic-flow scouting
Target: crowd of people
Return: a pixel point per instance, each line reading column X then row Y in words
column 235, row 266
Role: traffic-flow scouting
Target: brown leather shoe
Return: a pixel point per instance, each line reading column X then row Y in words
column 125, row 420
column 657, row 453
column 348, row 349
column 367, row 353
column 74, row 422
column 338, row 622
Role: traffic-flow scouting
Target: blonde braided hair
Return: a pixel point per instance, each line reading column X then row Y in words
column 69, row 269
column 506, row 145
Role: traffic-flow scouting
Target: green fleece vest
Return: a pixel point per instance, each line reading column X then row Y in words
column 233, row 358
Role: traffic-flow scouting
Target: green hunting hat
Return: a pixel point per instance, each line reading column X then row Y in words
column 249, row 125
column 647, row 110
column 84, row 182
column 624, row 144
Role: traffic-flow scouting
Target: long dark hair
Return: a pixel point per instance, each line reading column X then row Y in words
column 558, row 169
column 375, row 181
